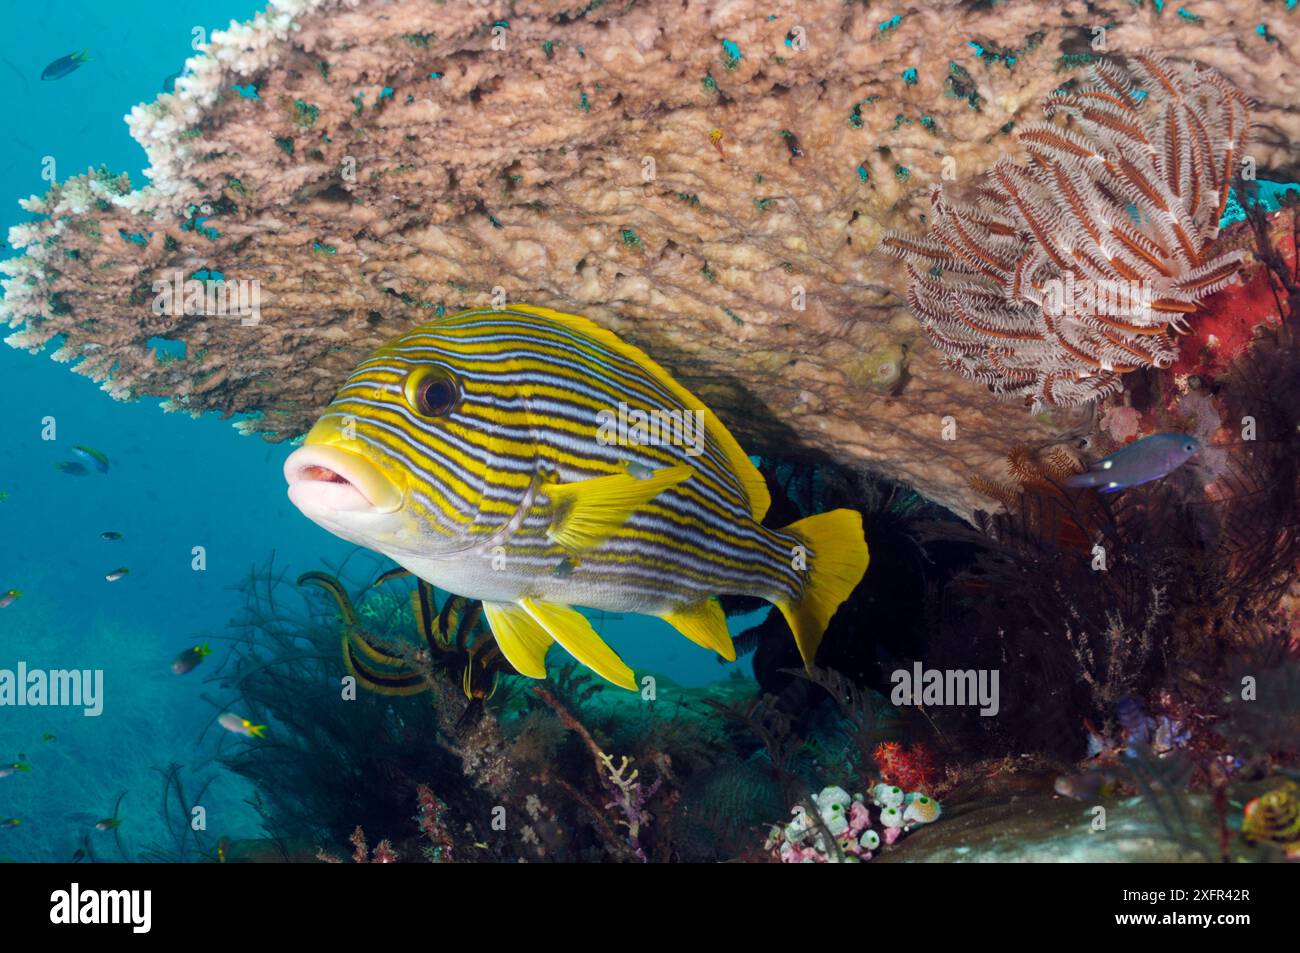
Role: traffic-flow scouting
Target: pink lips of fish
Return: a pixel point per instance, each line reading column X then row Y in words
column 325, row 479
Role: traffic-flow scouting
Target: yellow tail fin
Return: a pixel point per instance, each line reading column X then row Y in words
column 836, row 561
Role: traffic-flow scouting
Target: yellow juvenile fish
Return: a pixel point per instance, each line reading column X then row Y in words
column 534, row 461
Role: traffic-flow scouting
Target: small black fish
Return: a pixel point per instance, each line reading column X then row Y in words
column 169, row 84
column 71, row 468
column 65, row 65
column 110, row 536
column 189, row 660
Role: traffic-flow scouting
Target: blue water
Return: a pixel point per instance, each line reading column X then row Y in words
column 174, row 483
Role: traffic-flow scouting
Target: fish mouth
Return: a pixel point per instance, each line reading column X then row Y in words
column 327, row 478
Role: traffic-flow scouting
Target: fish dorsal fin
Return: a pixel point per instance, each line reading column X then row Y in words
column 521, row 639
column 591, row 511
column 751, row 481
column 571, row 629
column 704, row 624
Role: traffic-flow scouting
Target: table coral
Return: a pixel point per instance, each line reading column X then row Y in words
column 708, row 180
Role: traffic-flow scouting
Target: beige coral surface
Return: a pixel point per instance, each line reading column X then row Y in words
column 708, row 179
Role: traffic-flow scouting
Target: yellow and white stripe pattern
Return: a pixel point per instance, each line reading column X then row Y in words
column 489, row 473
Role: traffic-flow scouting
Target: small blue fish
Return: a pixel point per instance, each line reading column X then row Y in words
column 1150, row 458
column 92, row 456
column 65, row 65
column 169, row 84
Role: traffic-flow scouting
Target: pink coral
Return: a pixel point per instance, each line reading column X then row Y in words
column 912, row 769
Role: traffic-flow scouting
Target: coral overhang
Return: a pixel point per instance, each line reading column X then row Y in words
column 372, row 163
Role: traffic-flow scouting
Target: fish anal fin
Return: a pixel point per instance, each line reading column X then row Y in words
column 520, row 637
column 591, row 511
column 570, row 628
column 704, row 624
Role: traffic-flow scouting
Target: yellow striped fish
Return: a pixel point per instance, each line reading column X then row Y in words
column 534, row 461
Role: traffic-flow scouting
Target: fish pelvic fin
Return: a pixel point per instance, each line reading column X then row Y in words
column 521, row 639
column 837, row 559
column 591, row 511
column 704, row 624
column 570, row 628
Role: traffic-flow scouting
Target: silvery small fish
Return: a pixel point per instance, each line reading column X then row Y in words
column 1150, row 458
column 116, row 574
column 241, row 726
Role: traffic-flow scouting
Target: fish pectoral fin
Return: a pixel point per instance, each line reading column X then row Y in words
column 520, row 637
column 571, row 629
column 704, row 624
column 591, row 511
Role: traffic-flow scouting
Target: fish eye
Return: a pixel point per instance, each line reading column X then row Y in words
column 431, row 392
